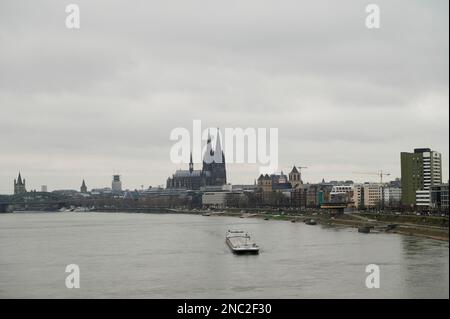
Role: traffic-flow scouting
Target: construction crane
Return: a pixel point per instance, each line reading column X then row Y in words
column 380, row 173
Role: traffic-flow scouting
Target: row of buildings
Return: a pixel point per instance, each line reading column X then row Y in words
column 116, row 187
column 353, row 195
column 420, row 187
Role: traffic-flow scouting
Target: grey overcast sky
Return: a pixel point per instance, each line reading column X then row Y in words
column 86, row 103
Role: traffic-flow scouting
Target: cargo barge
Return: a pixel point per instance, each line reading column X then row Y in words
column 240, row 243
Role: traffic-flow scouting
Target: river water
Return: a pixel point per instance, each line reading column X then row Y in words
column 123, row 255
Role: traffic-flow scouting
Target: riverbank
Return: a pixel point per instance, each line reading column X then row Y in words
column 423, row 226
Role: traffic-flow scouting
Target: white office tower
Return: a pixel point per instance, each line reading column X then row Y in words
column 432, row 175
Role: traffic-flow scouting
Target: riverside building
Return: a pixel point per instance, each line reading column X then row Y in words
column 421, row 170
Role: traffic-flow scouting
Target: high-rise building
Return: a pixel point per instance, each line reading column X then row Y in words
column 116, row 184
column 420, row 171
column 44, row 188
column 19, row 185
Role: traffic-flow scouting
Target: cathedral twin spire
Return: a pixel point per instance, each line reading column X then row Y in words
column 215, row 155
column 213, row 172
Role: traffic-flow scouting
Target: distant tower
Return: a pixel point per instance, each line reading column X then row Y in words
column 218, row 170
column 83, row 187
column 116, row 184
column 295, row 177
column 208, row 156
column 19, row 185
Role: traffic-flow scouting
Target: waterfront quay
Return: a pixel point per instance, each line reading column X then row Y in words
column 435, row 227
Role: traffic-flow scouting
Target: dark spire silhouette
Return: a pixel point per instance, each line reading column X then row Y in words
column 219, row 157
column 191, row 164
column 19, row 185
column 207, row 157
column 83, row 188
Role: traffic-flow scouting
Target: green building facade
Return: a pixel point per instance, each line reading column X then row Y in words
column 412, row 179
column 420, row 171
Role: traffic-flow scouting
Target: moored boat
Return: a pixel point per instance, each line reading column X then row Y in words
column 364, row 229
column 310, row 222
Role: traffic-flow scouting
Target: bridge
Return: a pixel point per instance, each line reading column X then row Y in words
column 38, row 200
column 44, row 201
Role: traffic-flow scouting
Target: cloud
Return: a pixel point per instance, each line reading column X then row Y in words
column 81, row 103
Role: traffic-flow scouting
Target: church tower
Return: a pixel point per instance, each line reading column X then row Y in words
column 83, row 188
column 208, row 156
column 295, row 177
column 219, row 173
column 214, row 171
column 19, row 185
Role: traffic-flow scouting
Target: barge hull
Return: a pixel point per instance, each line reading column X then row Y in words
column 235, row 248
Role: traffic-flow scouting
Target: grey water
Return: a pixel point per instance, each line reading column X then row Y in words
column 125, row 255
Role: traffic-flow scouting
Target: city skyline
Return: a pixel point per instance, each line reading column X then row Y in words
column 369, row 177
column 344, row 98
